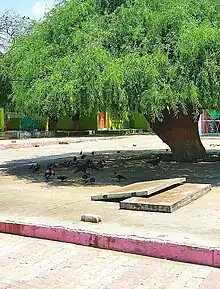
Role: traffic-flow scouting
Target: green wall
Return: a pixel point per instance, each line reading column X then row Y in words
column 138, row 121
column 2, row 119
column 41, row 124
column 88, row 122
column 118, row 124
column 14, row 123
column 65, row 123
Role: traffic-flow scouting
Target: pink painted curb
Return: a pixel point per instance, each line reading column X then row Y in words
column 154, row 248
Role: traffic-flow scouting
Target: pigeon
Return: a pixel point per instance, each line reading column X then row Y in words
column 68, row 164
column 31, row 167
column 62, row 178
column 100, row 164
column 119, row 177
column 154, row 162
column 48, row 173
column 85, row 177
column 83, row 156
column 64, row 163
column 91, row 165
column 90, row 180
column 81, row 168
column 35, row 167
column 52, row 165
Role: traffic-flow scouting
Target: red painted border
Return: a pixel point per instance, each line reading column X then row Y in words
column 153, row 248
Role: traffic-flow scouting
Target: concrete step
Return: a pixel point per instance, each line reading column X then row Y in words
column 168, row 201
column 140, row 189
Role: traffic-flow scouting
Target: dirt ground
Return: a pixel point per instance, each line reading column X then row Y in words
column 25, row 196
column 131, row 164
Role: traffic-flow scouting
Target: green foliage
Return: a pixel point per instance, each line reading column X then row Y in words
column 119, row 56
column 11, row 26
column 5, row 92
column 109, row 6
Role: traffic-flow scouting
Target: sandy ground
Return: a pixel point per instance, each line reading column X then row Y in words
column 143, row 143
column 24, row 196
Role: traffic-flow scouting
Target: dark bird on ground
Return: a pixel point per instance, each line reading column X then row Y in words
column 62, row 178
column 52, row 165
column 35, row 168
column 84, row 167
column 31, row 167
column 118, row 152
column 91, row 165
column 101, row 164
column 119, row 177
column 75, row 164
column 90, row 180
column 63, row 163
column 74, row 159
column 81, row 153
column 154, row 162
column 93, row 153
column 48, row 173
column 68, row 164
column 85, row 177
column 81, row 168
column 83, row 156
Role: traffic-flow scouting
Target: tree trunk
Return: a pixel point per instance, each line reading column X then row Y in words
column 47, row 125
column 76, row 120
column 181, row 134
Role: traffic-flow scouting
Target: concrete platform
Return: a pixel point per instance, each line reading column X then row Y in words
column 139, row 189
column 168, row 201
column 53, row 212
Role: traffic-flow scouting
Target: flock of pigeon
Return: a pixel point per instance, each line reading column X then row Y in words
column 82, row 164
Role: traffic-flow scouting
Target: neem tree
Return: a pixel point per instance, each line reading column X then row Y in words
column 159, row 58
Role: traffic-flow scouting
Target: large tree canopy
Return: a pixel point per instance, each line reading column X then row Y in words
column 160, row 58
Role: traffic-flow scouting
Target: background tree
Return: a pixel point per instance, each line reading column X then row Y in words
column 12, row 25
column 160, row 58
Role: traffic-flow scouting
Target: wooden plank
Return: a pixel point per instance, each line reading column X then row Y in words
column 140, row 189
column 168, row 201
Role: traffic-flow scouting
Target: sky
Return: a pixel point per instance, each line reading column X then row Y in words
column 32, row 8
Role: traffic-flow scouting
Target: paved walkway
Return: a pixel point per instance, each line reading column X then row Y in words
column 39, row 264
column 62, row 205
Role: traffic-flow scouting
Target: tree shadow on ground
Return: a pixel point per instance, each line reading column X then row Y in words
column 131, row 164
